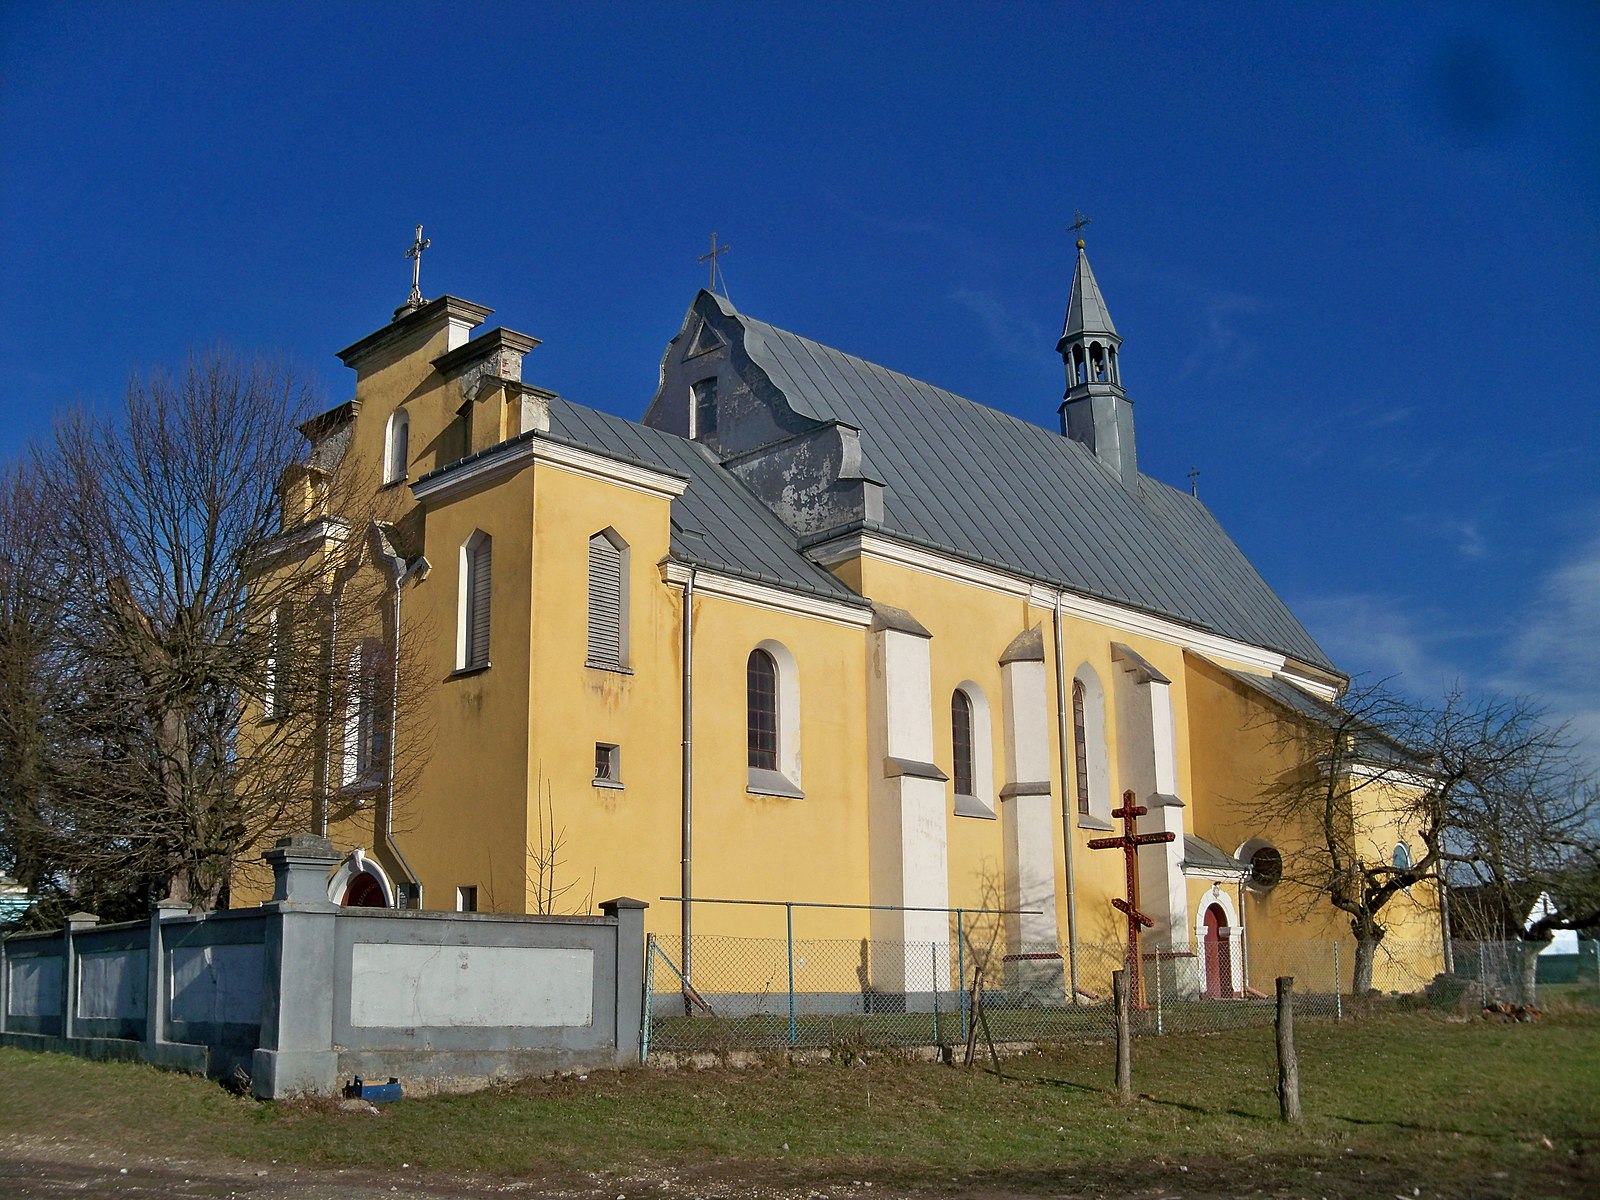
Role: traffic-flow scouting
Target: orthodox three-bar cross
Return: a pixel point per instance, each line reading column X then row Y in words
column 415, row 255
column 1129, row 842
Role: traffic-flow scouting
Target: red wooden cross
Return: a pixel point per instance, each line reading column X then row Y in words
column 1129, row 842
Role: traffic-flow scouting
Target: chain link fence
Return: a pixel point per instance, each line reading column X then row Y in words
column 779, row 993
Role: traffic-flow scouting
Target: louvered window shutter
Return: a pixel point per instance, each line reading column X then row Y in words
column 605, row 602
column 478, row 580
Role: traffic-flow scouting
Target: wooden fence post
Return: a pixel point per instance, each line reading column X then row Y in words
column 1288, row 1061
column 1119, row 999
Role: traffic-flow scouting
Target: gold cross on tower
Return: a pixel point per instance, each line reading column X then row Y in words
column 711, row 257
column 1078, row 222
column 415, row 255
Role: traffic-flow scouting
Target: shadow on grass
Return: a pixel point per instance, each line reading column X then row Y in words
column 1142, row 1097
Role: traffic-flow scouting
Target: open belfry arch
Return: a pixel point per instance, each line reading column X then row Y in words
column 810, row 630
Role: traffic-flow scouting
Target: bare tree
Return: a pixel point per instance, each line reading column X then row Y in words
column 35, row 679
column 1380, row 761
column 1527, row 827
column 160, row 509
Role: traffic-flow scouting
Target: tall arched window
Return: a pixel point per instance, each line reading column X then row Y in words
column 365, row 745
column 761, row 711
column 772, row 721
column 961, row 741
column 1091, row 760
column 472, row 633
column 1080, row 742
column 396, row 447
column 608, row 600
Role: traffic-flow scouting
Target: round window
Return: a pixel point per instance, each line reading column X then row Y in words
column 1266, row 868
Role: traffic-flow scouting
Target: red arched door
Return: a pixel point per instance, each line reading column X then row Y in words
column 363, row 892
column 1219, row 959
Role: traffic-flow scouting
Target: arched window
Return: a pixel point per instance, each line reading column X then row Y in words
column 472, row 630
column 397, row 447
column 972, row 751
column 772, row 721
column 365, row 743
column 761, row 711
column 608, row 601
column 1402, row 857
column 961, row 741
column 1092, row 785
column 1080, row 741
column 280, row 660
column 705, row 410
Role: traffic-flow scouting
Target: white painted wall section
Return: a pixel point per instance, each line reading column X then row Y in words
column 401, row 987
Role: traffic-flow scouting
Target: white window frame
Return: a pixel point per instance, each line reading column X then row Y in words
column 1097, row 753
column 615, row 539
column 397, row 447
column 773, row 783
column 362, row 765
column 980, row 803
column 464, row 608
column 613, row 754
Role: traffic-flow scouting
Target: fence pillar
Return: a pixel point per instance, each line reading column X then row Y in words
column 5, row 985
column 296, row 1054
column 629, row 916
column 788, row 916
column 156, row 977
column 69, row 970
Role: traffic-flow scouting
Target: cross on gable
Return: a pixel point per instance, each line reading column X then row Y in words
column 711, row 257
column 415, row 255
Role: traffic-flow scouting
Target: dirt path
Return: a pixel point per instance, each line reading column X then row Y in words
column 46, row 1169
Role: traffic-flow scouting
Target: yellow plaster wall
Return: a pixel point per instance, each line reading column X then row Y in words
column 465, row 821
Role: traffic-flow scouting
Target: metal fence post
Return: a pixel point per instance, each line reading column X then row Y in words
column 1483, row 975
column 788, row 913
column 1338, row 986
column 649, row 996
column 1160, row 1028
column 933, row 954
column 961, row 968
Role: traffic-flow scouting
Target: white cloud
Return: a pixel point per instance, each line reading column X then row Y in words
column 1010, row 334
column 1468, row 539
column 1549, row 652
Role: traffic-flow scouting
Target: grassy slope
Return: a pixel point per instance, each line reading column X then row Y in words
column 1486, row 1108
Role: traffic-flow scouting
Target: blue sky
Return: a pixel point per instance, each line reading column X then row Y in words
column 1353, row 250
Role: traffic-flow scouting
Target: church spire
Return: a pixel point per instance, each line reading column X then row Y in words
column 1095, row 411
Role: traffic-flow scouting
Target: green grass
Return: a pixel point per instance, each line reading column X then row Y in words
column 1455, row 1107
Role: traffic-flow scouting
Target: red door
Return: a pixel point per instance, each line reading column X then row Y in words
column 363, row 892
column 1219, row 962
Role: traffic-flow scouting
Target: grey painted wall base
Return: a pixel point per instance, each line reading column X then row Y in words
column 300, row 994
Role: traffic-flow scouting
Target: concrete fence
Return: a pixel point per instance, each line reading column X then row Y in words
column 301, row 994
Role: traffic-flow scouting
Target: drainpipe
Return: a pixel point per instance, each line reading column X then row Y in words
column 1066, row 806
column 419, row 569
column 687, row 860
column 327, row 725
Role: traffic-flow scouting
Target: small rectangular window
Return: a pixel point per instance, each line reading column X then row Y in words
column 407, row 895
column 607, row 765
column 467, row 898
column 705, row 410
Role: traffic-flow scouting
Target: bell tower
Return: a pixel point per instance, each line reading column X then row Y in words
column 1096, row 411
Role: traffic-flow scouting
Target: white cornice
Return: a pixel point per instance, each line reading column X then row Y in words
column 1039, row 595
column 501, row 461
column 323, row 531
column 708, row 582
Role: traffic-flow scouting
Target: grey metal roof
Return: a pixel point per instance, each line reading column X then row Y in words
column 717, row 522
column 1086, row 309
column 1372, row 745
column 1201, row 855
column 993, row 488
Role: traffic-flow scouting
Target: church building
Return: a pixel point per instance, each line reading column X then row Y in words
column 810, row 630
